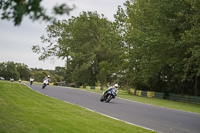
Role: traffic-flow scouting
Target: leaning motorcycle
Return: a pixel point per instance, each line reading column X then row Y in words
column 45, row 83
column 108, row 95
column 31, row 82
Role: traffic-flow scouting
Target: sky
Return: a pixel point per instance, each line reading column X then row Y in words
column 16, row 41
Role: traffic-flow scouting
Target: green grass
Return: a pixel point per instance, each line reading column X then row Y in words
column 24, row 110
column 34, row 82
column 190, row 107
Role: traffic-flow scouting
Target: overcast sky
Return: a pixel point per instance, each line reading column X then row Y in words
column 16, row 42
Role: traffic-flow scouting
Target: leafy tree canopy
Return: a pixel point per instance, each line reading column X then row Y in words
column 15, row 10
column 162, row 44
column 89, row 42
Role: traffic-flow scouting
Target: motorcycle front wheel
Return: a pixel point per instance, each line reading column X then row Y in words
column 109, row 98
column 102, row 98
column 44, row 85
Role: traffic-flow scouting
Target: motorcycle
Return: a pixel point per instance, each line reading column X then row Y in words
column 108, row 95
column 31, row 82
column 45, row 83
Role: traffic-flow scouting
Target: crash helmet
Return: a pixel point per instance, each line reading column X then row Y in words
column 116, row 85
column 48, row 76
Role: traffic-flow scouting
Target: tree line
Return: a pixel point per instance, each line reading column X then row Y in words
column 152, row 45
column 19, row 70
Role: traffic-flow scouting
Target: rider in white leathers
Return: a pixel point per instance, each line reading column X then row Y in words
column 31, row 80
column 115, row 88
column 47, row 80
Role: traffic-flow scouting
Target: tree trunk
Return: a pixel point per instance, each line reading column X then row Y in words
column 196, row 86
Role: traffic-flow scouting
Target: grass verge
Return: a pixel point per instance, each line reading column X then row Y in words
column 190, row 107
column 24, row 110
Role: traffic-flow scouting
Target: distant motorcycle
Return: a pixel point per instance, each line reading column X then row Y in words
column 108, row 95
column 45, row 83
column 31, row 80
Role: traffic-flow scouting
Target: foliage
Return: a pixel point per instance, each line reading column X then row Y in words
column 162, row 45
column 15, row 10
column 9, row 70
column 19, row 70
column 151, row 45
column 90, row 44
column 23, row 70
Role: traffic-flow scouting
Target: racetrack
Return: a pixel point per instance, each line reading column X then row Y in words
column 153, row 117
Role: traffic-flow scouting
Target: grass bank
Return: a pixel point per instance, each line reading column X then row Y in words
column 190, row 107
column 24, row 110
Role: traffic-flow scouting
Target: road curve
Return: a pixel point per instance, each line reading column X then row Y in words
column 153, row 117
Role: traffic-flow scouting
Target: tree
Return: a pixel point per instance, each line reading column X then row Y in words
column 191, row 42
column 23, row 70
column 60, row 71
column 9, row 70
column 15, row 10
column 3, row 70
column 89, row 42
column 162, row 45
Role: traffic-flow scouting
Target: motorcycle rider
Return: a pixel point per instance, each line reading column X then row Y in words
column 47, row 78
column 115, row 87
column 31, row 80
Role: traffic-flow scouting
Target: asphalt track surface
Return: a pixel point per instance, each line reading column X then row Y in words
column 157, row 118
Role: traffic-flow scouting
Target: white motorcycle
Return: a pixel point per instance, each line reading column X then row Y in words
column 45, row 83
